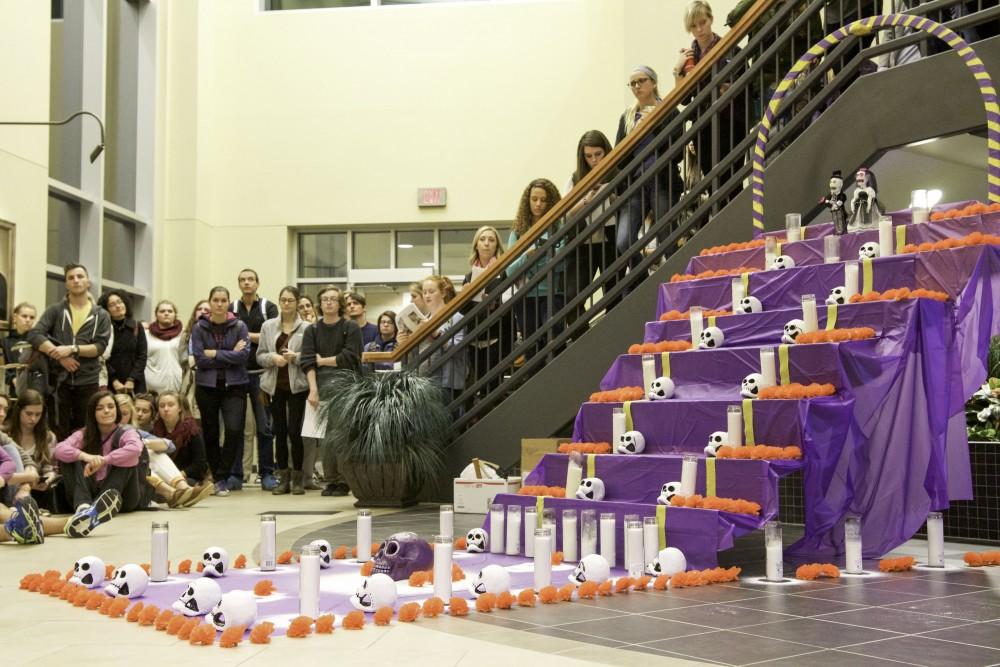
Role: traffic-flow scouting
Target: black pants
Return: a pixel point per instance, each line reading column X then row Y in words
column 81, row 490
column 71, row 407
column 232, row 401
column 589, row 259
column 287, row 413
column 535, row 313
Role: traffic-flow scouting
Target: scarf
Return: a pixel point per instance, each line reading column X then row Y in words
column 477, row 264
column 185, row 429
column 169, row 333
column 632, row 115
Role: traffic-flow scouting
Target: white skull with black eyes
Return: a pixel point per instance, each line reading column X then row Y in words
column 838, row 296
column 717, row 440
column 128, row 581
column 751, row 385
column 660, row 389
column 631, row 442
column 711, row 338
column 88, row 571
column 782, row 262
column 491, row 579
column 216, row 561
column 477, row 541
column 375, row 592
column 669, row 561
column 593, row 567
column 324, row 552
column 200, row 597
column 668, row 491
column 792, row 330
column 750, row 304
column 591, row 488
column 869, row 250
column 235, row 609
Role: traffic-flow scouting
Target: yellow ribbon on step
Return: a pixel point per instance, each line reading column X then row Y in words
column 784, row 375
column 627, row 407
column 745, row 277
column 900, row 238
column 539, row 506
column 661, row 523
column 777, row 249
column 748, row 422
column 710, row 477
column 665, row 362
column 711, row 320
column 591, row 465
column 831, row 316
column 867, row 277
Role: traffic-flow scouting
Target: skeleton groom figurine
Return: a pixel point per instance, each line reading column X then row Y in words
column 836, row 201
column 865, row 206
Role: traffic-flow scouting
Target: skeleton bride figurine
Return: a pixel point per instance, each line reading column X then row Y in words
column 836, row 201
column 865, row 206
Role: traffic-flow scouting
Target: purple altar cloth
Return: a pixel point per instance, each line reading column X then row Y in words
column 700, row 534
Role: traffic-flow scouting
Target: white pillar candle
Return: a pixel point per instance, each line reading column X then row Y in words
column 268, row 542
column 549, row 524
column 852, row 546
column 885, row 234
column 627, row 556
column 648, row 371
column 770, row 251
column 608, row 537
column 497, row 530
column 309, row 581
column 689, row 475
column 738, row 293
column 543, row 558
column 935, row 539
column 650, row 540
column 634, row 548
column 850, row 278
column 918, row 206
column 159, row 547
column 530, row 524
column 734, row 425
column 767, row 366
column 774, row 567
column 793, row 226
column 513, row 543
column 696, row 325
column 617, row 428
column 809, row 315
column 588, row 533
column 831, row 249
column 574, row 475
column 446, row 521
column 569, row 536
column 443, row 548
column 364, row 536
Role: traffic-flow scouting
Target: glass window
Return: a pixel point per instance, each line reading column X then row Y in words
column 118, row 254
column 414, row 249
column 113, row 116
column 372, row 250
column 323, row 254
column 63, row 243
column 62, row 157
column 277, row 5
column 456, row 246
column 57, row 9
column 55, row 290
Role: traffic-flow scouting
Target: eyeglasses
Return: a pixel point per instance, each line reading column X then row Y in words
column 329, row 299
column 287, row 300
column 635, row 83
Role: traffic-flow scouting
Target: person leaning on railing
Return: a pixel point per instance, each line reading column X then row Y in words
column 439, row 291
column 385, row 341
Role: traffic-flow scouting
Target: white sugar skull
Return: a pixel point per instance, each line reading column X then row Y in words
column 201, row 596
column 631, row 442
column 750, row 304
column 375, row 592
column 782, row 262
column 477, row 541
column 594, row 568
column 216, row 561
column 324, row 552
column 668, row 491
column 715, row 441
column 591, row 488
column 660, row 389
column 669, row 561
column 869, row 250
column 235, row 609
column 838, row 296
column 491, row 579
column 711, row 338
column 752, row 385
column 792, row 330
column 88, row 571
column 128, row 581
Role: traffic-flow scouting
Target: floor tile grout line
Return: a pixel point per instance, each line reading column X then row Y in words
column 684, row 655
column 953, row 641
column 786, row 657
column 862, row 655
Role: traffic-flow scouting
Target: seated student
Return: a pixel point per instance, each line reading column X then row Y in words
column 28, row 427
column 100, row 466
column 174, row 421
column 145, row 411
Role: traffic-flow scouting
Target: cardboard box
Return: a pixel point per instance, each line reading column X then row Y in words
column 474, row 496
column 533, row 449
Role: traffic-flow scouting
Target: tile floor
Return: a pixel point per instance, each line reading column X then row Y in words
column 919, row 618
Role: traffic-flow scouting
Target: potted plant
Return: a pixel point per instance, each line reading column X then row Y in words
column 389, row 431
column 982, row 411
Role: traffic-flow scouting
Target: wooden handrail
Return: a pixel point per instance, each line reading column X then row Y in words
column 626, row 146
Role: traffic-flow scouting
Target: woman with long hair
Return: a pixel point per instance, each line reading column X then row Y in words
column 127, row 362
column 307, row 309
column 28, row 427
column 438, row 292
column 498, row 340
column 185, row 465
column 187, row 356
column 163, row 349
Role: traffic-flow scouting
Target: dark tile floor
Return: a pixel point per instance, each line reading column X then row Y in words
column 919, row 618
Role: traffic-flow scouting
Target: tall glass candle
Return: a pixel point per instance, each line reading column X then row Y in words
column 885, row 236
column 543, row 558
column 633, row 548
column 935, row 539
column 767, row 366
column 629, row 518
column 774, row 565
column 443, row 548
column 549, row 523
column 530, row 524
column 852, row 546
column 919, row 206
column 650, row 540
column 268, row 542
column 617, row 428
column 497, row 531
column 648, row 372
column 569, row 536
column 608, row 537
column 850, row 278
column 588, row 533
column 159, row 547
column 309, row 581
column 446, row 520
column 738, row 293
column 697, row 324
column 770, row 251
column 364, row 536
column 831, row 249
column 513, row 542
column 809, row 315
column 793, row 227
column 689, row 474
column 734, row 425
column 574, row 475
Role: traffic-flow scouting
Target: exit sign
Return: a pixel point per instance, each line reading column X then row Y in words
column 429, row 197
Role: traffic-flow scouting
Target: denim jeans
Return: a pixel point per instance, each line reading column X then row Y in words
column 232, row 402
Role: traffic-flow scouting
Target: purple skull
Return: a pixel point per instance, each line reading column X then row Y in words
column 401, row 555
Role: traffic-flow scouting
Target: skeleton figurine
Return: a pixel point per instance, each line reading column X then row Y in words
column 865, row 206
column 836, row 201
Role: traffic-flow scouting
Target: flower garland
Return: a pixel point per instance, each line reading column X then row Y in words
column 554, row 491
column 976, row 208
column 973, row 239
column 619, row 395
column 987, row 558
column 674, row 315
column 734, row 505
column 834, row 335
column 760, row 452
column 899, row 294
column 812, row 571
column 901, row 564
column 585, row 447
column 662, row 346
column 796, row 391
column 732, row 247
column 681, row 278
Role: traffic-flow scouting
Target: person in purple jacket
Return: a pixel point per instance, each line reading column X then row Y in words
column 220, row 343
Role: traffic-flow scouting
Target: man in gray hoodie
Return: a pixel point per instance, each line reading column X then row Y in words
column 73, row 333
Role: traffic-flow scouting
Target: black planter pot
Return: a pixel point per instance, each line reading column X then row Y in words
column 379, row 486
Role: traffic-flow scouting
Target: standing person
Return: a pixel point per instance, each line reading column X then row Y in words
column 357, row 310
column 330, row 345
column 28, row 427
column 286, row 384
column 253, row 311
column 127, row 362
column 498, row 341
column 307, row 311
column 417, row 297
column 187, row 360
column 163, row 349
column 538, row 197
column 385, row 341
column 73, row 333
column 15, row 345
column 220, row 343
